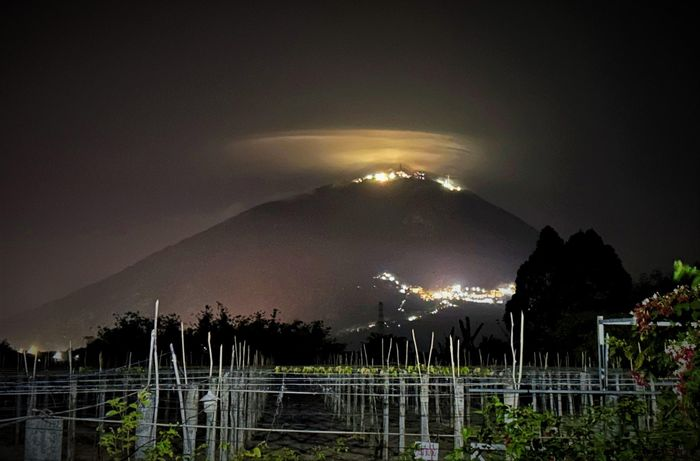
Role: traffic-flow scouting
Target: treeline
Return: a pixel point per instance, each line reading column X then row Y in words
column 285, row 343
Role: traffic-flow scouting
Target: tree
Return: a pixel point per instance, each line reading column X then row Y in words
column 654, row 282
column 534, row 291
column 9, row 357
column 131, row 335
column 562, row 287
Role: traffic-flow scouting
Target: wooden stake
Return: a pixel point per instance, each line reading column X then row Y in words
column 187, row 445
column 184, row 355
column 211, row 358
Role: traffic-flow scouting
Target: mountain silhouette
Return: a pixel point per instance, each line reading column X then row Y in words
column 312, row 256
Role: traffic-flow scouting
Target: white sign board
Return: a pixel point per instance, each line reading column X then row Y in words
column 43, row 439
column 427, row 451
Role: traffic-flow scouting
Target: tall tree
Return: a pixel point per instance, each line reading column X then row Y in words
column 563, row 286
column 534, row 292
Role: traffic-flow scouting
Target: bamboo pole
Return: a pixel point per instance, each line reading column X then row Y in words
column 424, row 395
column 402, row 414
column 385, row 438
column 36, row 354
column 184, row 355
column 187, row 446
column 458, row 392
column 70, row 358
column 211, row 358
column 72, row 404
column 157, row 377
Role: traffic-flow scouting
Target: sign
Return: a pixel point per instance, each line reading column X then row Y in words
column 427, row 451
column 43, row 438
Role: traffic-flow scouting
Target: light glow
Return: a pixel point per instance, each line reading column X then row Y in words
column 391, row 175
column 447, row 296
column 449, row 184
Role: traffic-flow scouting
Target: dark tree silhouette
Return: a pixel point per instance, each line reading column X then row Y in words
column 563, row 286
column 129, row 338
column 9, row 357
column 655, row 282
column 294, row 342
column 469, row 338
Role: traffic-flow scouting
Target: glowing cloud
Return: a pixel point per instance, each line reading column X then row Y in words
column 347, row 153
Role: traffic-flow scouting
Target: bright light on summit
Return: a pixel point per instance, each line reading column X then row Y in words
column 384, row 176
column 449, row 184
column 391, row 175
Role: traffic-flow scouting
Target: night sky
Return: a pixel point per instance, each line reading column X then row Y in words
column 126, row 128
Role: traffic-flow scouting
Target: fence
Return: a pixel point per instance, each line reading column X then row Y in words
column 373, row 413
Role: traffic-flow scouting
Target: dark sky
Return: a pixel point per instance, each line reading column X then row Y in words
column 127, row 127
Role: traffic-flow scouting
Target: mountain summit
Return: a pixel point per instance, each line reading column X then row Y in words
column 313, row 256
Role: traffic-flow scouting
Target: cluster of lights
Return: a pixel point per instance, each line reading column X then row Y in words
column 448, row 184
column 389, row 176
column 443, row 298
column 383, row 176
column 447, row 296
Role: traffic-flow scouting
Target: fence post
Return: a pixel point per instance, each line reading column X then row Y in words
column 559, row 403
column 570, row 397
column 146, row 430
column 534, row 394
column 72, row 403
column 355, row 391
column 43, row 439
column 458, row 413
column 402, row 415
column 101, row 397
column 385, row 440
column 468, row 403
column 652, row 388
column 190, row 423
column 424, row 412
column 438, row 413
column 224, row 417
column 209, row 402
column 362, row 411
column 18, row 426
column 348, row 401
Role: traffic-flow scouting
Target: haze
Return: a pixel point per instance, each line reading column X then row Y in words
column 127, row 127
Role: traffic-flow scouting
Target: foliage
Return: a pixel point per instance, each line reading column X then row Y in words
column 262, row 453
column 563, row 286
column 164, row 448
column 411, row 370
column 131, row 334
column 118, row 441
column 654, row 282
column 657, row 351
column 9, row 357
column 284, row 342
column 611, row 432
column 319, row 453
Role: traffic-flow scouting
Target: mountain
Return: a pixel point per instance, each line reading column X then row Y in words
column 313, row 256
